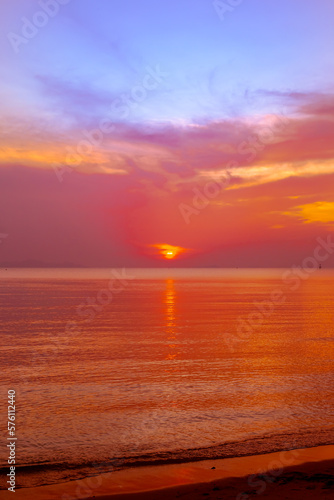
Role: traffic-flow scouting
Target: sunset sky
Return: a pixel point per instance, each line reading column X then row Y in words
column 145, row 133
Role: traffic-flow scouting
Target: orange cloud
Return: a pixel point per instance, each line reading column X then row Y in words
column 319, row 211
column 169, row 251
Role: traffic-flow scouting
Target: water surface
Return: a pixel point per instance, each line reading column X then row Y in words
column 163, row 367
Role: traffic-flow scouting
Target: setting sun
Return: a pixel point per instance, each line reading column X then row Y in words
column 169, row 251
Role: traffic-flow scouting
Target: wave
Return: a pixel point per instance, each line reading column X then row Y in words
column 45, row 473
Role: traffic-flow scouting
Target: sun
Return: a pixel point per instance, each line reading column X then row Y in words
column 169, row 252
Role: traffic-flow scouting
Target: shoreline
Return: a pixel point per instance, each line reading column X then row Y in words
column 51, row 474
column 305, row 471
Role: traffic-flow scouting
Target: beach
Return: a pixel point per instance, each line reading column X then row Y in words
column 306, row 473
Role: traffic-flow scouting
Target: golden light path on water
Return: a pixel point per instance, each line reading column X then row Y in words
column 171, row 326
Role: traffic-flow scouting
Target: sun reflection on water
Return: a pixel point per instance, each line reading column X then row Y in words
column 171, row 325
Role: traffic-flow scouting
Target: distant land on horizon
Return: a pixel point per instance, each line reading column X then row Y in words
column 38, row 264
column 35, row 264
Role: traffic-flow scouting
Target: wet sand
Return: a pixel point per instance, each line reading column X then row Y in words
column 306, row 473
column 303, row 482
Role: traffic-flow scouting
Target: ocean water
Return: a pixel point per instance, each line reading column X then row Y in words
column 118, row 368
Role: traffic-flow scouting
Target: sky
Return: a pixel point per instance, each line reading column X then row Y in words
column 188, row 133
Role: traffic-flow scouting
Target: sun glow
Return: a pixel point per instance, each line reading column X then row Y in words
column 169, row 251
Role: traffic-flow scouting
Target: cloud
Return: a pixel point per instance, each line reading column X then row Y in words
column 174, row 155
column 82, row 102
column 318, row 212
column 168, row 251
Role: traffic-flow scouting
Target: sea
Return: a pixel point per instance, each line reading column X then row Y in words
column 116, row 368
